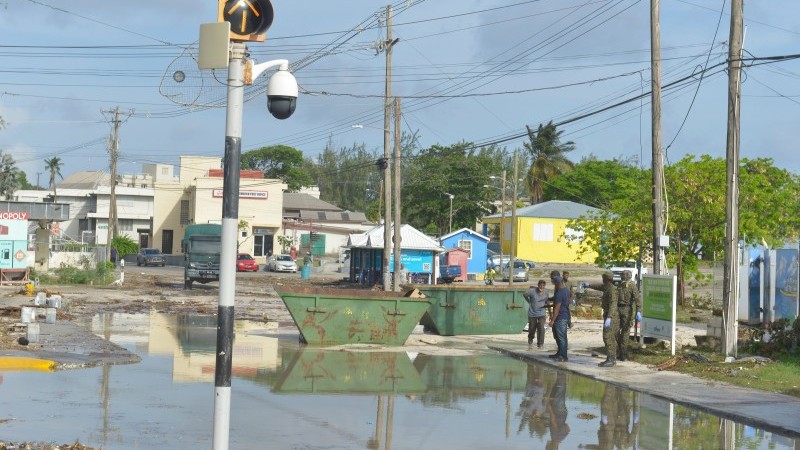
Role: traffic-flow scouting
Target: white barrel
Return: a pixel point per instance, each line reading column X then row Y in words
column 41, row 298
column 54, row 301
column 33, row 333
column 28, row 314
column 50, row 315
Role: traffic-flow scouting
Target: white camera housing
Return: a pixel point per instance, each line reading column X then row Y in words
column 282, row 94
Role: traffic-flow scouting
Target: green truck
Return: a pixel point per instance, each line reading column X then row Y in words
column 202, row 247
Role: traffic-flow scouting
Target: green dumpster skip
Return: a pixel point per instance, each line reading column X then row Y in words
column 472, row 373
column 458, row 311
column 321, row 371
column 349, row 316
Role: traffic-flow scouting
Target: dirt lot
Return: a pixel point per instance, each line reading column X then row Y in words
column 161, row 289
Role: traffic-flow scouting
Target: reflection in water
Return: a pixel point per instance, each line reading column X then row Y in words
column 302, row 397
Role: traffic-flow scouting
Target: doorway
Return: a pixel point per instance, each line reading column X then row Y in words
column 166, row 242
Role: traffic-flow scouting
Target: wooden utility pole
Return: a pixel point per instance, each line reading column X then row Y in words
column 398, row 238
column 387, row 153
column 658, row 162
column 730, row 285
column 513, row 248
column 113, row 156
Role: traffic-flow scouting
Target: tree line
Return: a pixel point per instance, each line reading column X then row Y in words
column 694, row 188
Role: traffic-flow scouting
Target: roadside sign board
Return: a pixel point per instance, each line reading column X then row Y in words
column 659, row 294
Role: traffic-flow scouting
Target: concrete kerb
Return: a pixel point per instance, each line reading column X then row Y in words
column 770, row 411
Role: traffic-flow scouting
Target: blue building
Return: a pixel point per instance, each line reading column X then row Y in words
column 419, row 255
column 473, row 242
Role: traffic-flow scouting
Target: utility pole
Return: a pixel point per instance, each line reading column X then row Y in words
column 659, row 265
column 113, row 155
column 398, row 238
column 513, row 222
column 387, row 153
column 730, row 285
column 37, row 179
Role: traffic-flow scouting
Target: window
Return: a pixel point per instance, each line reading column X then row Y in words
column 125, row 224
column 184, row 212
column 543, row 232
column 466, row 244
column 258, row 245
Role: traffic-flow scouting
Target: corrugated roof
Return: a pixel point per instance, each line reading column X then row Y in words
column 412, row 239
column 553, row 209
column 86, row 180
column 332, row 216
column 294, row 201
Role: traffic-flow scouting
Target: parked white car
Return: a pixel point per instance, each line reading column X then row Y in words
column 281, row 263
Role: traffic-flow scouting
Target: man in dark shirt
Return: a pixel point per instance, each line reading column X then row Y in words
column 559, row 320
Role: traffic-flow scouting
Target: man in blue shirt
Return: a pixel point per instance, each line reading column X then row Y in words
column 559, row 320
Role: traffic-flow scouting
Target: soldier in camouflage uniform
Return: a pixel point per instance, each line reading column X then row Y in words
column 610, row 319
column 628, row 299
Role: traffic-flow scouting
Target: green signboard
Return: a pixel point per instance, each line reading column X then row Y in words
column 658, row 307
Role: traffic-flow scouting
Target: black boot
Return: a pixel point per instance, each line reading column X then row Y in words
column 610, row 362
column 622, row 356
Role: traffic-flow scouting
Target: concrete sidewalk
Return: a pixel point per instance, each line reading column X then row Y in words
column 775, row 412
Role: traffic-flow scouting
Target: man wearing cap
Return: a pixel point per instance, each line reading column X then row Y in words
column 559, row 320
column 610, row 319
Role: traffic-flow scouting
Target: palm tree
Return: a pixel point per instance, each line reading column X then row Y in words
column 53, row 165
column 547, row 158
column 9, row 176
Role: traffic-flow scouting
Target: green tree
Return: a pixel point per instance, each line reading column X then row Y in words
column 10, row 176
column 349, row 178
column 23, row 181
column 547, row 158
column 460, row 170
column 696, row 217
column 53, row 165
column 279, row 162
column 596, row 183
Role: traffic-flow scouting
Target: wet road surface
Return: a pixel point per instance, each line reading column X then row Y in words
column 286, row 396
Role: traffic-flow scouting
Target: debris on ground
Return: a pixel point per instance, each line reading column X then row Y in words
column 42, row 446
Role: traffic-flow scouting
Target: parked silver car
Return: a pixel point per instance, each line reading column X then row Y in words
column 520, row 271
column 281, row 263
column 150, row 257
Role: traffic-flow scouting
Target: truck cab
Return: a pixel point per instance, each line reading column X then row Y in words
column 202, row 247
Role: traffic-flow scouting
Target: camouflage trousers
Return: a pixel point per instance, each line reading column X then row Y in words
column 624, row 332
column 610, row 338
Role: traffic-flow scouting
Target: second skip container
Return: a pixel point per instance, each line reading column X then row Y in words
column 465, row 310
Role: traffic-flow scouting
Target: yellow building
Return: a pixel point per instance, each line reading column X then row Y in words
column 196, row 197
column 541, row 233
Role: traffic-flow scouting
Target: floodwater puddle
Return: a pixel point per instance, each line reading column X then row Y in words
column 285, row 395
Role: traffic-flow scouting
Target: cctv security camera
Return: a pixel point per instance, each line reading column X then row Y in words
column 282, row 94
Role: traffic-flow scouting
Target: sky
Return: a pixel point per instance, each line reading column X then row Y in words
column 466, row 71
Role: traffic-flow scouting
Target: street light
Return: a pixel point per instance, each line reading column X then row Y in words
column 450, row 227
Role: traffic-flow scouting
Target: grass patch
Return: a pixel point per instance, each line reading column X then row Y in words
column 781, row 375
column 100, row 276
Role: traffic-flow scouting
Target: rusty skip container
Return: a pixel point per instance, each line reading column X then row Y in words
column 466, row 310
column 349, row 316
